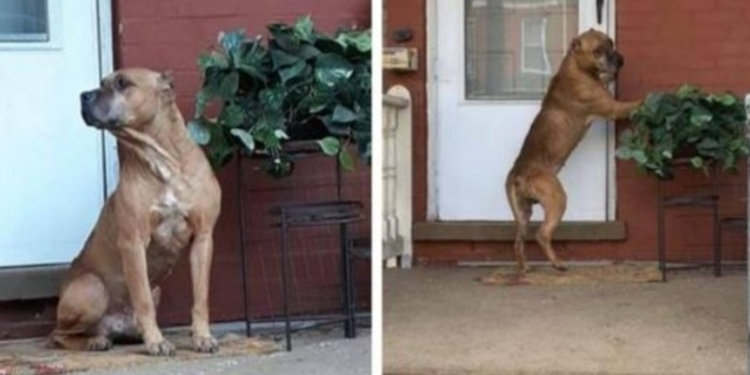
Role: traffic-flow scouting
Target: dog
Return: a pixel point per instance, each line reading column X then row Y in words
column 577, row 95
column 166, row 203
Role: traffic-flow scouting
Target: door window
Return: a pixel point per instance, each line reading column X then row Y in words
column 514, row 46
column 24, row 21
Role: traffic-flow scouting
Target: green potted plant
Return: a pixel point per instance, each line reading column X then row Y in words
column 297, row 84
column 688, row 124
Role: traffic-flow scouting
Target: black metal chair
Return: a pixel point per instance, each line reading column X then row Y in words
column 339, row 213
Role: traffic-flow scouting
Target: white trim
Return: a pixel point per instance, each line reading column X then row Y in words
column 532, row 4
column 432, row 117
column 609, row 19
column 106, row 66
column 54, row 30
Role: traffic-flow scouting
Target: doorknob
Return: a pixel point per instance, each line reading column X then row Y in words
column 599, row 9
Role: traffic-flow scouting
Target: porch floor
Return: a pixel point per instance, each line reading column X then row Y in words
column 441, row 321
column 322, row 351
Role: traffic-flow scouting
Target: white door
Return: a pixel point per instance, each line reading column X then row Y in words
column 51, row 164
column 493, row 62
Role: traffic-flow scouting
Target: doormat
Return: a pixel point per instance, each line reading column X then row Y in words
column 575, row 275
column 33, row 357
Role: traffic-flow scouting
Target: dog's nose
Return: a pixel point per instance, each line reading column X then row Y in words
column 87, row 97
column 618, row 60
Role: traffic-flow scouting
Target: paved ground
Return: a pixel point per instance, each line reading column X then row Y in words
column 315, row 353
column 441, row 321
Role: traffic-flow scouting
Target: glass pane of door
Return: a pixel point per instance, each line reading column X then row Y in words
column 513, row 47
column 24, row 21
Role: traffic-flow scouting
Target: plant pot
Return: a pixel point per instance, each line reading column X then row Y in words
column 311, row 130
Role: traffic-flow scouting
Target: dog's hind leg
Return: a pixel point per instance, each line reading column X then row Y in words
column 550, row 194
column 82, row 305
column 521, row 208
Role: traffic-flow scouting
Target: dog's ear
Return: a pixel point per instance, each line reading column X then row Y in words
column 167, row 79
column 166, row 86
column 575, row 45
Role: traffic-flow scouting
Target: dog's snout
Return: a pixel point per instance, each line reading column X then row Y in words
column 618, row 60
column 87, row 97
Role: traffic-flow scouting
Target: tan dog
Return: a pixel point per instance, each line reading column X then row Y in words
column 577, row 95
column 166, row 203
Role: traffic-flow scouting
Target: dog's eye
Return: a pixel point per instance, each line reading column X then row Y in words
column 121, row 83
column 598, row 51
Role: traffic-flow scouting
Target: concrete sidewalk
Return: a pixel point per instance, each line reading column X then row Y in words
column 315, row 353
column 441, row 321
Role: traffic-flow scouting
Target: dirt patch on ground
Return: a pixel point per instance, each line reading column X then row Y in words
column 34, row 357
column 599, row 274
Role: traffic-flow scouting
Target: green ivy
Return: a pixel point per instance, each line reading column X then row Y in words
column 269, row 89
column 703, row 127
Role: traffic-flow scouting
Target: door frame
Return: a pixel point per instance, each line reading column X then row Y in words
column 36, row 282
column 433, row 121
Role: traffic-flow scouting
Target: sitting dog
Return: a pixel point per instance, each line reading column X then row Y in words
column 577, row 95
column 166, row 202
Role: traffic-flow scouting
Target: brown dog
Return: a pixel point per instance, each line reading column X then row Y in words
column 166, row 202
column 576, row 96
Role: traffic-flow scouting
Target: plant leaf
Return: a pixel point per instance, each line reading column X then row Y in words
column 232, row 42
column 342, row 114
column 232, row 116
column 696, row 162
column 330, row 145
column 303, row 28
column 293, row 71
column 198, row 132
column 212, row 60
column 282, row 59
column 229, row 85
column 346, row 160
column 332, row 70
column 307, row 51
column 623, row 153
column 639, row 156
column 245, row 137
column 727, row 99
column 201, row 101
column 282, row 37
column 361, row 40
column 280, row 134
column 273, row 97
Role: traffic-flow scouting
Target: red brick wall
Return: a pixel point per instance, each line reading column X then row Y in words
column 169, row 35
column 665, row 43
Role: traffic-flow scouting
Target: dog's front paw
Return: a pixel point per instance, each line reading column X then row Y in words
column 205, row 344
column 161, row 348
column 98, row 344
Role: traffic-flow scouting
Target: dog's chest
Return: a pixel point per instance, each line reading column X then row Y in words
column 171, row 231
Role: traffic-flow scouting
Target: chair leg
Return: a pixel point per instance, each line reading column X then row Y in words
column 718, row 253
column 662, row 240
column 718, row 232
column 346, row 284
column 284, row 286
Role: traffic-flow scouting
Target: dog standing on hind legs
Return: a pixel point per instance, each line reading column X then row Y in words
column 577, row 95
